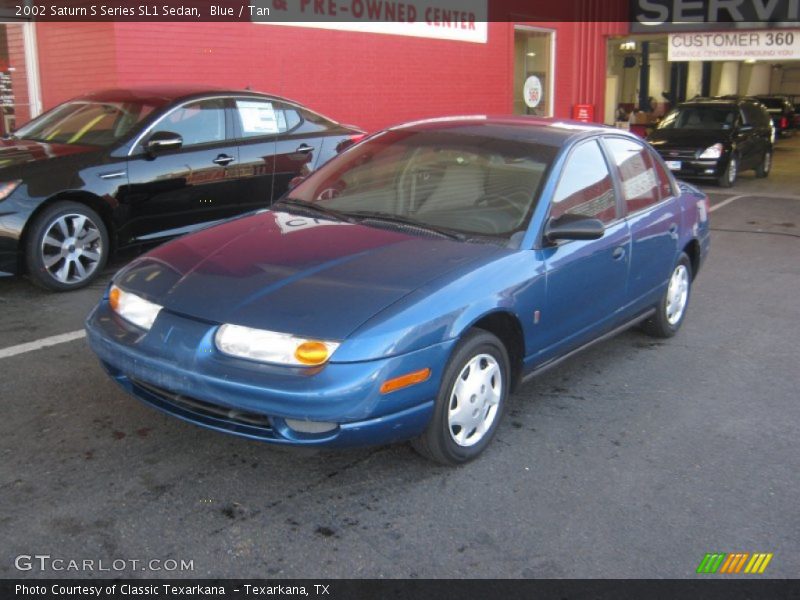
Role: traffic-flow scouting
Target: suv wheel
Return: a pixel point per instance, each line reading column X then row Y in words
column 728, row 177
column 762, row 170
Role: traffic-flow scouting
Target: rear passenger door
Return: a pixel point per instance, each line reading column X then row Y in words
column 652, row 213
column 586, row 280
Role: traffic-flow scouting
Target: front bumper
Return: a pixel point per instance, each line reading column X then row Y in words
column 176, row 368
column 696, row 168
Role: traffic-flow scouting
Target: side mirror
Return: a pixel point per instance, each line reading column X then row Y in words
column 163, row 141
column 573, row 227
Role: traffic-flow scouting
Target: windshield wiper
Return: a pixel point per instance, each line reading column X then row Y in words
column 313, row 207
column 364, row 215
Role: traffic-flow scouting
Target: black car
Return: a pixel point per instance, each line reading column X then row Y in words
column 120, row 167
column 782, row 113
column 716, row 138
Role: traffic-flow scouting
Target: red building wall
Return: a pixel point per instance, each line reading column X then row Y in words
column 370, row 80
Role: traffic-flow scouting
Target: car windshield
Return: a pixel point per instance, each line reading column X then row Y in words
column 700, row 117
column 458, row 180
column 85, row 122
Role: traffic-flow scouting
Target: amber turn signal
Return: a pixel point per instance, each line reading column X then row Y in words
column 311, row 353
column 113, row 297
column 404, row 381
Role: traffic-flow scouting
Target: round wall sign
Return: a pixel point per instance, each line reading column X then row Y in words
column 532, row 91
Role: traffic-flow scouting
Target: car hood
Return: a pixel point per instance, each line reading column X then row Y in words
column 15, row 152
column 687, row 138
column 294, row 274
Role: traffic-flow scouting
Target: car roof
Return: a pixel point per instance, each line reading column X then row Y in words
column 160, row 95
column 547, row 131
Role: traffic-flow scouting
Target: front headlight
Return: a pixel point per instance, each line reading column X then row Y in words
column 8, row 187
column 714, row 151
column 273, row 347
column 133, row 308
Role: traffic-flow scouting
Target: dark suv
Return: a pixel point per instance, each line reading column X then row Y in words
column 781, row 111
column 716, row 138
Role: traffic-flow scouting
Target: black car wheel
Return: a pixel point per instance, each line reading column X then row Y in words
column 728, row 177
column 671, row 310
column 67, row 246
column 470, row 402
column 762, row 170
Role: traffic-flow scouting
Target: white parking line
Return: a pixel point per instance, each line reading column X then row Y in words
column 42, row 343
column 726, row 202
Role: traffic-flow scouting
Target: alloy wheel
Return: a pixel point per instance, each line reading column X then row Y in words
column 72, row 248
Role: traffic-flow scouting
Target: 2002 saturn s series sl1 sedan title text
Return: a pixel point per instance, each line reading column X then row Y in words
column 402, row 290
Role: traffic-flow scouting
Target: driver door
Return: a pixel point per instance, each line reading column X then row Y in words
column 586, row 280
column 176, row 191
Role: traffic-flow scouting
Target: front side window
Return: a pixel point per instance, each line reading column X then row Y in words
column 585, row 187
column 91, row 123
column 637, row 175
column 201, row 122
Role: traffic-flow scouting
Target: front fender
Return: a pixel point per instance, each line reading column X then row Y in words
column 445, row 308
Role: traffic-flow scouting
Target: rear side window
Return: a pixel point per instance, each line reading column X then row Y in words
column 636, row 171
column 664, row 182
column 259, row 118
column 585, row 187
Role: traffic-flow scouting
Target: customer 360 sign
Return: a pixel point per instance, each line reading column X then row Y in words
column 735, row 45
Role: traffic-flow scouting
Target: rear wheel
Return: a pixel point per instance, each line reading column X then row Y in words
column 671, row 310
column 67, row 246
column 762, row 170
column 470, row 403
column 728, row 177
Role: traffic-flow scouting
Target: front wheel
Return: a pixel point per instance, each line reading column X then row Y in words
column 67, row 246
column 470, row 402
column 762, row 170
column 728, row 177
column 671, row 310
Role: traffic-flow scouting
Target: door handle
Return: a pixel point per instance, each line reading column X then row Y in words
column 673, row 230
column 223, row 159
column 304, row 149
column 618, row 253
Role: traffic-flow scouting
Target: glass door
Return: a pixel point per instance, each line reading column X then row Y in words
column 533, row 77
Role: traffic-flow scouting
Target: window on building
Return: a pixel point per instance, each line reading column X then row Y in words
column 532, row 76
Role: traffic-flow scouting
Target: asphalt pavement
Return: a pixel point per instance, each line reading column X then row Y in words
column 633, row 459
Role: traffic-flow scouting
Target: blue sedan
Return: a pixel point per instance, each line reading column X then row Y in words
column 405, row 288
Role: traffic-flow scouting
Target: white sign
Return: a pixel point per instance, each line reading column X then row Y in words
column 257, row 117
column 532, row 91
column 458, row 20
column 289, row 223
column 735, row 45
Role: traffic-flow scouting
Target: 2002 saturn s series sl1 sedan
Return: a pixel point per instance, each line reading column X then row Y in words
column 401, row 291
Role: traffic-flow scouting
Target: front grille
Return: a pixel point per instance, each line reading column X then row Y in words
column 679, row 154
column 205, row 409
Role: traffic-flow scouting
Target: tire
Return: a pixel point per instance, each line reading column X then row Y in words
column 728, row 177
column 477, row 377
column 671, row 309
column 763, row 168
column 66, row 247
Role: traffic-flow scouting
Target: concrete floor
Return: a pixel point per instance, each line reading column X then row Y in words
column 633, row 459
